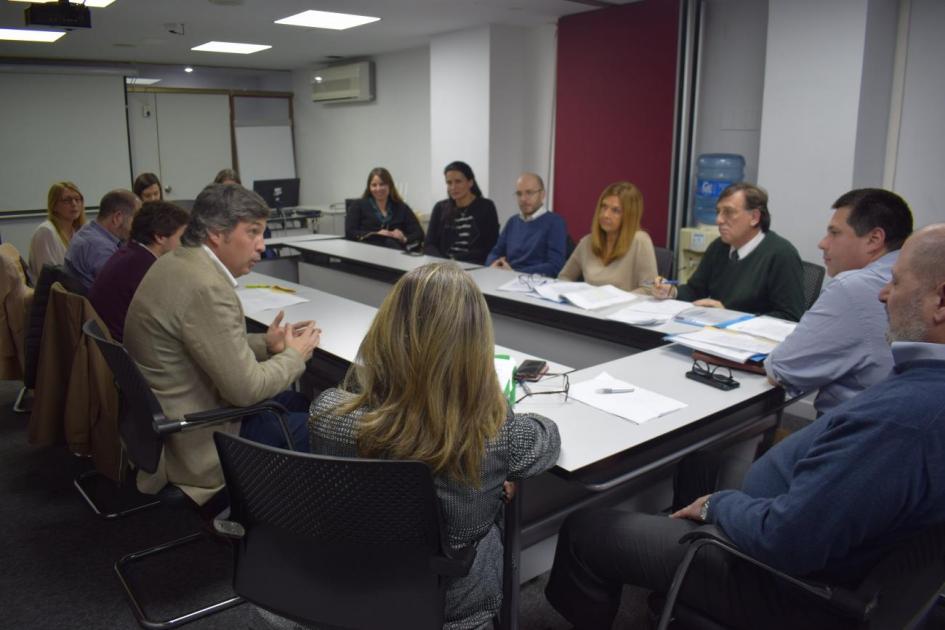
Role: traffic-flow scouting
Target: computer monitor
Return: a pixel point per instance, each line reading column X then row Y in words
column 278, row 193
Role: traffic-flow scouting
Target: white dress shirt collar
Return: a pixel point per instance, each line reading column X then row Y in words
column 748, row 247
column 226, row 271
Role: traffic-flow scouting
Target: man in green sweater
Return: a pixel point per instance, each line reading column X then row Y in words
column 748, row 268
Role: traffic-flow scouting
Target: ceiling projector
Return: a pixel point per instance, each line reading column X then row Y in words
column 63, row 14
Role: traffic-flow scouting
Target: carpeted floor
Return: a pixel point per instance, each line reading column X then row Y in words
column 56, row 556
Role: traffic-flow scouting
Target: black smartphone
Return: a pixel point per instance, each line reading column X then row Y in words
column 530, row 370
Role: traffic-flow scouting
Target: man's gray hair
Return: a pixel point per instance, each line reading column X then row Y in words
column 219, row 208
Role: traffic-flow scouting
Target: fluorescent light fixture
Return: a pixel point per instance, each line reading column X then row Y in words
column 140, row 81
column 98, row 4
column 231, row 47
column 189, row 69
column 28, row 35
column 327, row 19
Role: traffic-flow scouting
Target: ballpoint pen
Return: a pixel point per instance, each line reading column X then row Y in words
column 274, row 287
column 615, row 390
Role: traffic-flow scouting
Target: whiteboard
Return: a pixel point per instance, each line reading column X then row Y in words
column 61, row 127
column 264, row 152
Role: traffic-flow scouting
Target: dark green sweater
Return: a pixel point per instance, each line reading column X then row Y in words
column 768, row 281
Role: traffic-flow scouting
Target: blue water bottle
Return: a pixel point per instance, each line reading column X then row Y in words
column 714, row 173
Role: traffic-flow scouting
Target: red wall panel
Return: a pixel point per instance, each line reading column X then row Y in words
column 614, row 112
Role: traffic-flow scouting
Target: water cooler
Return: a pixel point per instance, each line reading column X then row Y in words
column 714, row 173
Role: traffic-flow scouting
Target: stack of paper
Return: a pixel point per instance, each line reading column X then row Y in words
column 728, row 344
column 649, row 312
column 599, row 297
column 705, row 316
column 264, row 299
column 639, row 405
column 555, row 291
column 765, row 327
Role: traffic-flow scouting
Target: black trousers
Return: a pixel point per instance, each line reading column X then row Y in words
column 601, row 550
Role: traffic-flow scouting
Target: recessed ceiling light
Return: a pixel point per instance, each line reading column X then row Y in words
column 189, row 69
column 27, row 35
column 231, row 47
column 140, row 81
column 98, row 4
column 327, row 19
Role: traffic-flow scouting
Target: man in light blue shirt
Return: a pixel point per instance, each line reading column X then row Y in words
column 535, row 240
column 839, row 345
column 94, row 244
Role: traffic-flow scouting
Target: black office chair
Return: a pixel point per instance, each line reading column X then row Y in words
column 143, row 426
column 664, row 261
column 357, row 543
column 813, row 281
column 898, row 593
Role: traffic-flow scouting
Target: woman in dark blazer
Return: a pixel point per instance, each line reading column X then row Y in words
column 465, row 226
column 380, row 216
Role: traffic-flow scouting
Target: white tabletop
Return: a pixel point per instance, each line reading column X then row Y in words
column 373, row 255
column 592, row 435
column 343, row 322
column 300, row 238
column 588, row 435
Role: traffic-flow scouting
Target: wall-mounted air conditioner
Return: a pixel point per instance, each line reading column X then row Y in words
column 350, row 82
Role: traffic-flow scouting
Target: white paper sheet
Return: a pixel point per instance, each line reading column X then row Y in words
column 730, row 339
column 765, row 327
column 706, row 316
column 518, row 285
column 599, row 297
column 639, row 406
column 648, row 312
column 257, row 300
column 555, row 290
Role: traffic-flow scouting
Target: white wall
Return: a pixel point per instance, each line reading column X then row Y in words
column 813, row 71
column 921, row 150
column 522, row 109
column 336, row 145
column 459, row 105
column 731, row 82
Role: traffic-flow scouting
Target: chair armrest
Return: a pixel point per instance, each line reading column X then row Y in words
column 223, row 414
column 845, row 602
column 454, row 562
column 229, row 529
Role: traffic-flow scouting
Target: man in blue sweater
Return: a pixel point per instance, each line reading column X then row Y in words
column 828, row 502
column 536, row 239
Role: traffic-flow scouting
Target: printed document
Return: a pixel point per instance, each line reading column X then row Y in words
column 639, row 406
column 257, row 300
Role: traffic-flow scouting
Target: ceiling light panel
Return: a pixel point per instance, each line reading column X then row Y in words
column 231, row 47
column 96, row 4
column 140, row 81
column 29, row 35
column 327, row 19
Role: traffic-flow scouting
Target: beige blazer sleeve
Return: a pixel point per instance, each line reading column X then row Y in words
column 214, row 332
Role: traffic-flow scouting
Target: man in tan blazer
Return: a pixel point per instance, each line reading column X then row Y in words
column 186, row 331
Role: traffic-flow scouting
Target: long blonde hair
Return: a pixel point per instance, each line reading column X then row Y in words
column 425, row 375
column 631, row 201
column 52, row 198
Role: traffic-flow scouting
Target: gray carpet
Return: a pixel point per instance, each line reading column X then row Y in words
column 56, row 557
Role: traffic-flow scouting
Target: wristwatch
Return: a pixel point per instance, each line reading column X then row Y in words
column 704, row 512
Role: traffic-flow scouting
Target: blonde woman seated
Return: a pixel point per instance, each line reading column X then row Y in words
column 616, row 251
column 424, row 388
column 65, row 214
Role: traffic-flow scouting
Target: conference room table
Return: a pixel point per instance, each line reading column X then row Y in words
column 560, row 332
column 603, row 456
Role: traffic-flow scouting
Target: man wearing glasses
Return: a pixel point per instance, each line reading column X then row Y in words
column 748, row 268
column 828, row 502
column 534, row 241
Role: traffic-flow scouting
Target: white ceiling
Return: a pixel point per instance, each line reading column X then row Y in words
column 135, row 31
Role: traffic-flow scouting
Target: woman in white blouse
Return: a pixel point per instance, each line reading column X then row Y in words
column 65, row 214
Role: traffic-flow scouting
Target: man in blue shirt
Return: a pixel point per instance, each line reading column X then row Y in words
column 535, row 240
column 829, row 501
column 839, row 346
column 94, row 244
